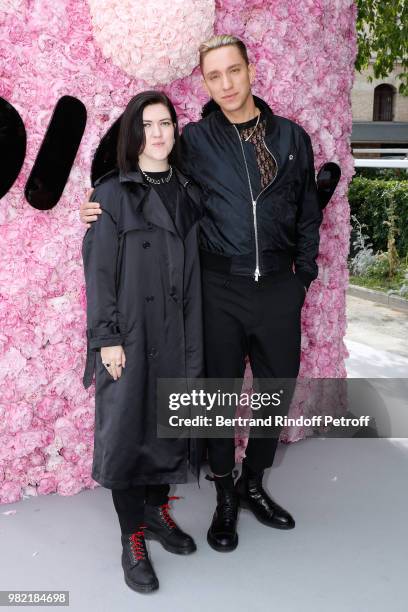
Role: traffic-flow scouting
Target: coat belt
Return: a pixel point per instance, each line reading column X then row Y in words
column 89, row 364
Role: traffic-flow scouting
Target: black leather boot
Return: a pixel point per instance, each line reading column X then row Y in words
column 222, row 535
column 138, row 570
column 253, row 497
column 161, row 526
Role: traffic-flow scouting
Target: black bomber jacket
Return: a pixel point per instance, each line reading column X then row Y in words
column 277, row 228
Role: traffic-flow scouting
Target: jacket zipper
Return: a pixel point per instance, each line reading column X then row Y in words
column 257, row 272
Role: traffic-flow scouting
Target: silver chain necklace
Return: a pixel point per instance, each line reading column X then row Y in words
column 253, row 131
column 165, row 179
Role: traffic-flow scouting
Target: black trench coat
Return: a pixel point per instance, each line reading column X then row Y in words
column 143, row 288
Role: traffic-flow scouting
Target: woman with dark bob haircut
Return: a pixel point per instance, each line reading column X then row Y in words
column 142, row 273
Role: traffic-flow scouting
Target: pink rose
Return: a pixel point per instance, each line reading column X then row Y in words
column 10, row 492
column 47, row 485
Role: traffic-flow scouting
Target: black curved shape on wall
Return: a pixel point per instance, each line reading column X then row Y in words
column 57, row 153
column 104, row 159
column 13, row 141
column 327, row 180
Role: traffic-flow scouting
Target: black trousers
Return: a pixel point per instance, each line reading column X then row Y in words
column 261, row 319
column 129, row 504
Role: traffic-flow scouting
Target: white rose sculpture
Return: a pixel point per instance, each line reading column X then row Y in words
column 150, row 40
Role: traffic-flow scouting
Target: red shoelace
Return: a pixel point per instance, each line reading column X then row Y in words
column 137, row 543
column 164, row 508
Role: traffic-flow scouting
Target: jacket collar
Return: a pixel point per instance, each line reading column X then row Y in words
column 212, row 107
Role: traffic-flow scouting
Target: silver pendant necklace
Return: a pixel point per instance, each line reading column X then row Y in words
column 165, row 179
column 256, row 125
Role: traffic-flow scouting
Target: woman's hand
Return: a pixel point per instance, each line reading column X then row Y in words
column 114, row 360
column 89, row 211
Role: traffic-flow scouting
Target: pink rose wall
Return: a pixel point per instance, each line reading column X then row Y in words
column 304, row 53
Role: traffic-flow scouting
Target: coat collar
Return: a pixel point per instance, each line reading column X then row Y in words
column 155, row 211
column 131, row 176
column 135, row 176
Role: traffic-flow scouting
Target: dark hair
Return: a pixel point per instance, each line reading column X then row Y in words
column 132, row 139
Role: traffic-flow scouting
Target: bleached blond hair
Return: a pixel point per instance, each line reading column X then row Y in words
column 222, row 40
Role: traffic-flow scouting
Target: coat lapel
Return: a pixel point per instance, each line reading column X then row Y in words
column 156, row 212
column 187, row 213
column 189, row 209
column 154, row 209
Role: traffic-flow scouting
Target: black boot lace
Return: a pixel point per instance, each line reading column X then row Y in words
column 227, row 507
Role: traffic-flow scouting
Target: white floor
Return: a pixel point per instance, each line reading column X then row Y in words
column 346, row 554
column 377, row 340
column 368, row 362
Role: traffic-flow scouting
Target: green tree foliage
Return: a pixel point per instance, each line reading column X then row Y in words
column 382, row 27
column 382, row 207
